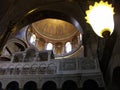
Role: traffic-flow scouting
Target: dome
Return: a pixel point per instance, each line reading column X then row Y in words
column 54, row 29
column 54, row 34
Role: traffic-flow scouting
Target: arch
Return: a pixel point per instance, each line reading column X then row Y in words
column 12, row 86
column 3, row 69
column 81, row 37
column 116, row 77
column 10, row 69
column 34, row 69
column 68, row 47
column 18, row 69
column 69, row 85
column 33, row 39
column 49, row 85
column 18, row 42
column 42, row 68
column 30, row 85
column 90, row 85
column 1, row 86
column 49, row 46
column 18, row 45
column 25, row 69
column 38, row 14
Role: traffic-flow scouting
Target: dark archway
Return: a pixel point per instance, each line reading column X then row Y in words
column 116, row 78
column 31, row 85
column 1, row 86
column 49, row 85
column 12, row 86
column 69, row 85
column 90, row 85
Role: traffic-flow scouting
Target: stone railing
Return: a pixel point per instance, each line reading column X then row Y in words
column 53, row 66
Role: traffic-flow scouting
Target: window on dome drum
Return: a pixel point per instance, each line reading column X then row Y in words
column 80, row 37
column 68, row 47
column 49, row 46
column 33, row 39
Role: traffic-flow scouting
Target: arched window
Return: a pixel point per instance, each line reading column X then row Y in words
column 49, row 46
column 80, row 37
column 33, row 39
column 68, row 47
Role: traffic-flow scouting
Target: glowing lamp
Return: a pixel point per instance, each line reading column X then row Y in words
column 100, row 17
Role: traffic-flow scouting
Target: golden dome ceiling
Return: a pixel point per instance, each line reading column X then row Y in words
column 54, row 29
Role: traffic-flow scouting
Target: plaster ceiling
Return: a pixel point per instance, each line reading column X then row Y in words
column 54, row 29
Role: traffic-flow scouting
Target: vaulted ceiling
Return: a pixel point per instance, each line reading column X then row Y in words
column 54, row 29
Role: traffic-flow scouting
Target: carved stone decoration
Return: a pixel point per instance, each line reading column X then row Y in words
column 88, row 64
column 68, row 65
column 51, row 69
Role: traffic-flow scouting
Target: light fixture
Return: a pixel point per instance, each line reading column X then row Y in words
column 100, row 17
